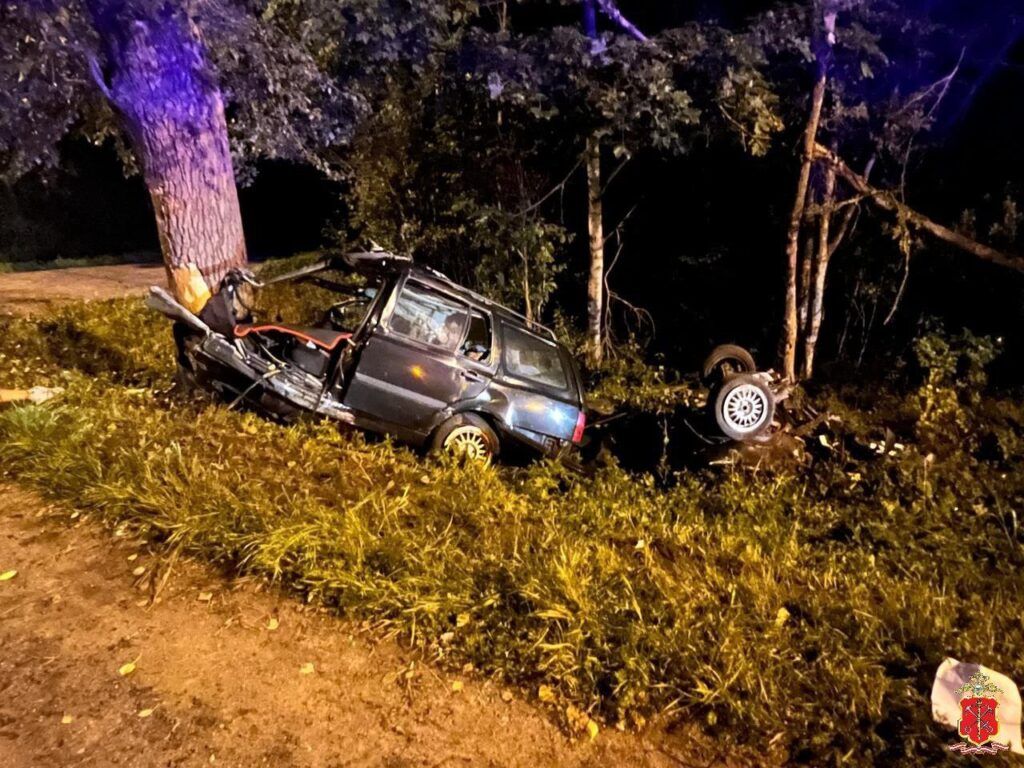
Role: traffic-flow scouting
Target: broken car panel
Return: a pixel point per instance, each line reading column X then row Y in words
column 414, row 355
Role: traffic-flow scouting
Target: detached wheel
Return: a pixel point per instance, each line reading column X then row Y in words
column 727, row 360
column 468, row 436
column 744, row 407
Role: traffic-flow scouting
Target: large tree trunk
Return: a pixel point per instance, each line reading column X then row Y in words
column 158, row 80
column 595, row 228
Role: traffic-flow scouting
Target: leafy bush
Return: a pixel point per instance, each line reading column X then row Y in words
column 801, row 613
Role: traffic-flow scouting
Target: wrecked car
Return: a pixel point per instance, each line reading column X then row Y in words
column 410, row 354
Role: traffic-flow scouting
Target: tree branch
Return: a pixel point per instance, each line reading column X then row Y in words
column 609, row 9
column 98, row 78
column 888, row 201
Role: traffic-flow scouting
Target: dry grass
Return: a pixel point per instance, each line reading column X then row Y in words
column 808, row 611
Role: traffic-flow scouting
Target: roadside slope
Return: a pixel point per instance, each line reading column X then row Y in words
column 224, row 689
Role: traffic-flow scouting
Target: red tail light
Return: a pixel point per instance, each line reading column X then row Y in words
column 581, row 424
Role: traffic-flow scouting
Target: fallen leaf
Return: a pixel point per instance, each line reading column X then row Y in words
column 273, row 624
column 8, row 575
column 67, row 720
column 457, row 686
column 781, row 617
column 307, row 669
column 145, row 712
column 126, row 669
column 546, row 694
column 577, row 719
column 592, row 729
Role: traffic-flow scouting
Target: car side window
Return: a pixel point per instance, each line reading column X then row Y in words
column 532, row 357
column 477, row 345
column 423, row 315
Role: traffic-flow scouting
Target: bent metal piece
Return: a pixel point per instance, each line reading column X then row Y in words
column 162, row 301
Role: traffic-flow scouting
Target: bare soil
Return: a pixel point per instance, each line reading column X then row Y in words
column 230, row 672
column 31, row 293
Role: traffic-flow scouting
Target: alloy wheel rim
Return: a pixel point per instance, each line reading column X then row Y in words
column 745, row 408
column 468, row 441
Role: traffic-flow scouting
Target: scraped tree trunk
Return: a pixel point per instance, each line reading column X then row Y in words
column 595, row 228
column 158, row 80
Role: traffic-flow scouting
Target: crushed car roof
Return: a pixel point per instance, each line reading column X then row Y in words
column 379, row 262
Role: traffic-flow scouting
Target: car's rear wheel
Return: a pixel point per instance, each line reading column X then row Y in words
column 727, row 360
column 744, row 407
column 467, row 436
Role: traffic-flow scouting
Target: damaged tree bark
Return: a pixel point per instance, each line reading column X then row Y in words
column 888, row 202
column 158, row 81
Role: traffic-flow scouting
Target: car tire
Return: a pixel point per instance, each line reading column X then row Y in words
column 466, row 434
column 726, row 360
column 744, row 407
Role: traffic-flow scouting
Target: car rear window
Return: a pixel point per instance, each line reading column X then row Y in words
column 531, row 357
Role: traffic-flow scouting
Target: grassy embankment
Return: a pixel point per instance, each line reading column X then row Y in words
column 807, row 610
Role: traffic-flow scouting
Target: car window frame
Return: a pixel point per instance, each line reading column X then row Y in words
column 524, row 381
column 384, row 324
column 430, row 290
column 491, row 363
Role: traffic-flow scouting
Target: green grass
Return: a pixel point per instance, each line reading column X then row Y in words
column 807, row 611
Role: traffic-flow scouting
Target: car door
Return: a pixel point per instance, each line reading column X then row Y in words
column 412, row 366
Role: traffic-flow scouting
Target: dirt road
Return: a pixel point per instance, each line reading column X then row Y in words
column 25, row 293
column 230, row 673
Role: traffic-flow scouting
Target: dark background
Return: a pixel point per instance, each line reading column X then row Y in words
column 703, row 248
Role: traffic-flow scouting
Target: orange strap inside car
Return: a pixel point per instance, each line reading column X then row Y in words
column 244, row 330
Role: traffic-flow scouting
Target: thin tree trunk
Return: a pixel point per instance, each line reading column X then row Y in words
column 158, row 80
column 820, row 271
column 791, row 326
column 527, row 304
column 595, row 228
column 804, row 286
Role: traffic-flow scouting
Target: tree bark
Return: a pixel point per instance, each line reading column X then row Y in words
column 595, row 229
column 819, row 273
column 791, row 326
column 887, row 201
column 159, row 82
column 804, row 285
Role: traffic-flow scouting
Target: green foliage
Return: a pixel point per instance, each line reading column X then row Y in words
column 451, row 182
column 806, row 611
